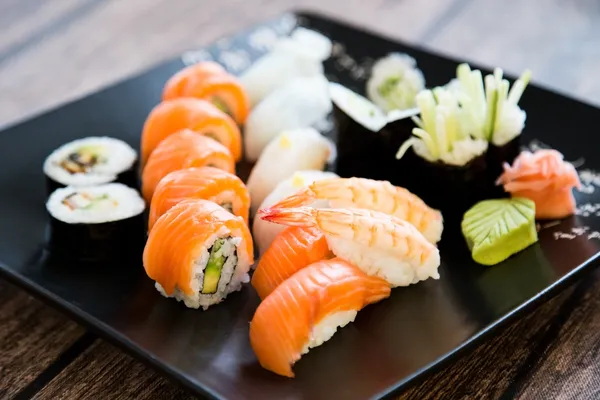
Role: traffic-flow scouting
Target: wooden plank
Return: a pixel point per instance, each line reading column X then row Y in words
column 558, row 40
column 491, row 370
column 570, row 366
column 104, row 372
column 119, row 38
column 32, row 336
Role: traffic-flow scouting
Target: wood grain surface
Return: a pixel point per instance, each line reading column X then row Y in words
column 32, row 336
column 53, row 52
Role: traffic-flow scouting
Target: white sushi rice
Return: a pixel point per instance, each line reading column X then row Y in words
column 395, row 81
column 462, row 152
column 264, row 232
column 327, row 327
column 122, row 202
column 233, row 274
column 119, row 157
column 385, row 264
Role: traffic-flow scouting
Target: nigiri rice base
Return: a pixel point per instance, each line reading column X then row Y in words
column 327, row 327
column 396, row 271
column 233, row 274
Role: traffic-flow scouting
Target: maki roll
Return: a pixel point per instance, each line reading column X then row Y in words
column 181, row 150
column 491, row 106
column 208, row 183
column 450, row 167
column 395, row 81
column 198, row 253
column 91, row 161
column 198, row 115
column 209, row 81
column 96, row 223
column 367, row 136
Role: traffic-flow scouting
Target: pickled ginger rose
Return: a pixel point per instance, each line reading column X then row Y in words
column 545, row 178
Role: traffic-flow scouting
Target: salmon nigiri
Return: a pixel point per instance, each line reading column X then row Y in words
column 208, row 183
column 182, row 150
column 292, row 250
column 205, row 81
column 307, row 309
column 187, row 113
column 198, row 253
column 177, row 84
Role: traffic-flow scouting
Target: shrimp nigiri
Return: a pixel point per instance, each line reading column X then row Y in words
column 188, row 113
column 378, row 243
column 306, row 310
column 184, row 149
column 264, row 232
column 214, row 184
column 207, row 82
column 373, row 195
column 293, row 249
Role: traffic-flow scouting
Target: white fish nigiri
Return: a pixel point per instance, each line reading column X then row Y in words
column 264, row 232
column 300, row 54
column 300, row 103
column 291, row 151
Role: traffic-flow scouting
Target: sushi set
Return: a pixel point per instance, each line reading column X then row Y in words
column 302, row 210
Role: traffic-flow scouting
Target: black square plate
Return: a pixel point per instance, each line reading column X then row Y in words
column 389, row 345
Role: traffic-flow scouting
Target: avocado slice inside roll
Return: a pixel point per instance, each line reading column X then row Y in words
column 214, row 267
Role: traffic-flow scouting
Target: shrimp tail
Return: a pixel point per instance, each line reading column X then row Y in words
column 301, row 216
column 301, row 198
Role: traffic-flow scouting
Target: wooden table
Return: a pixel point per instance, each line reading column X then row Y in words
column 55, row 51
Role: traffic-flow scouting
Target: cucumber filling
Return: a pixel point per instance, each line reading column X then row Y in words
column 214, row 267
column 85, row 201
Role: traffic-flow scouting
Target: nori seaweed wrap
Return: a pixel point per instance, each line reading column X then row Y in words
column 96, row 224
column 367, row 138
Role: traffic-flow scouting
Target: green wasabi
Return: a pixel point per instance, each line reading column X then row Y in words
column 497, row 229
column 214, row 266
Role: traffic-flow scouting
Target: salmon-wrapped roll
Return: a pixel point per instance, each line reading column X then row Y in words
column 176, row 85
column 306, row 310
column 182, row 150
column 208, row 183
column 187, row 113
column 198, row 253
column 210, row 82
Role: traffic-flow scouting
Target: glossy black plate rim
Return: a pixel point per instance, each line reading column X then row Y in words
column 123, row 342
